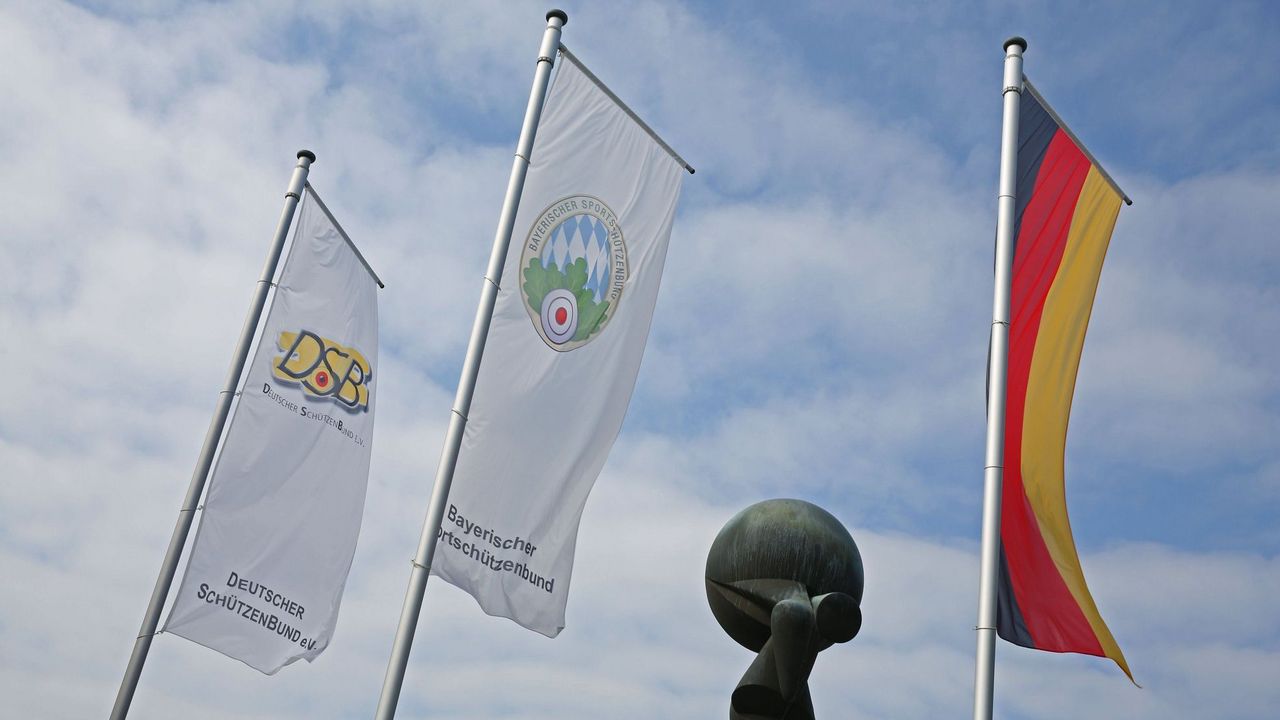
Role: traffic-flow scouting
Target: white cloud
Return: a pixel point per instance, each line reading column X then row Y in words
column 821, row 333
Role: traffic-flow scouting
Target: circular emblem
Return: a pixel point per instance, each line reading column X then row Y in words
column 574, row 268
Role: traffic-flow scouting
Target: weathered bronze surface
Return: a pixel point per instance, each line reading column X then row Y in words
column 784, row 579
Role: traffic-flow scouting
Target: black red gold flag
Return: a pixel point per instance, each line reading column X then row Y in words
column 1066, row 210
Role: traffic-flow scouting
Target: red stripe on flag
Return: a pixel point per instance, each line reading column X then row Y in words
column 1050, row 612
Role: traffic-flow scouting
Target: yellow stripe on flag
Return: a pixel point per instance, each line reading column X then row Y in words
column 1051, row 384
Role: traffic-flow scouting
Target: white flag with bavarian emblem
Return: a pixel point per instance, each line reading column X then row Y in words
column 569, row 329
column 282, row 513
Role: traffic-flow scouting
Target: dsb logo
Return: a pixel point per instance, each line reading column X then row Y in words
column 324, row 368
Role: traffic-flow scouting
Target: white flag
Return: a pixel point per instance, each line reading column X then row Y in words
column 282, row 513
column 568, row 332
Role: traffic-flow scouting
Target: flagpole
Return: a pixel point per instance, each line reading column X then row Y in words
column 403, row 643
column 179, row 538
column 993, row 475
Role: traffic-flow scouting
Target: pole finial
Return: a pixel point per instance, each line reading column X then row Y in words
column 307, row 154
column 1016, row 40
column 558, row 13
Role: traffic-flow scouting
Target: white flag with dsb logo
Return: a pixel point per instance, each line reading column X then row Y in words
column 569, row 329
column 283, row 509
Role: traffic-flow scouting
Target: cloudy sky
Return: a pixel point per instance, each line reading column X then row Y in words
column 821, row 333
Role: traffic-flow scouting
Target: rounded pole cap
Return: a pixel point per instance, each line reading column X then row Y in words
column 307, row 154
column 558, row 13
column 1016, row 40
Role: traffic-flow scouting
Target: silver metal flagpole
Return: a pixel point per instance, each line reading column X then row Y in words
column 179, row 539
column 993, row 476
column 391, row 685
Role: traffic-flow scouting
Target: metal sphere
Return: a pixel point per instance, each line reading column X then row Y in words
column 772, row 545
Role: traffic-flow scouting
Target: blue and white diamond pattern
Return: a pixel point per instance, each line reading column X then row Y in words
column 581, row 236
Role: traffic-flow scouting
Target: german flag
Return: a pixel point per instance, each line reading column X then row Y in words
column 1066, row 209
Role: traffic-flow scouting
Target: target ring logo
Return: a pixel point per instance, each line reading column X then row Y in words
column 559, row 316
column 574, row 270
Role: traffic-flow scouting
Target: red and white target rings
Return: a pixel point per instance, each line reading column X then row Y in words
column 560, row 316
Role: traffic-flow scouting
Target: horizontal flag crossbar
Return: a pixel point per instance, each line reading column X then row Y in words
column 1074, row 138
column 564, row 51
column 345, row 236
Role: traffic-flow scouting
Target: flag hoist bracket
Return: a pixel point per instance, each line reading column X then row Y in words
column 343, row 233
column 625, row 108
column 1031, row 88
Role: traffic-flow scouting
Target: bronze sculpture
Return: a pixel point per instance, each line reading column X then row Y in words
column 784, row 578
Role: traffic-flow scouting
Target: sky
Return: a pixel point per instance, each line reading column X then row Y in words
column 820, row 333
